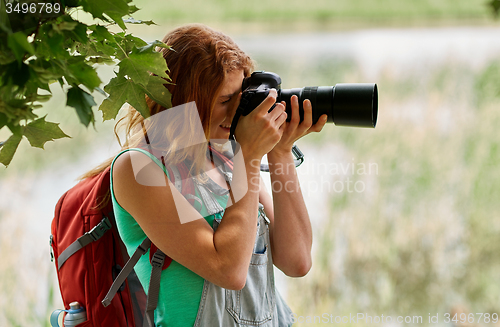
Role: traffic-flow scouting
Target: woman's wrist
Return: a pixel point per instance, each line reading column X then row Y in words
column 279, row 155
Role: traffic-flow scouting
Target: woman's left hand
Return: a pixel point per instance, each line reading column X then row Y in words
column 294, row 129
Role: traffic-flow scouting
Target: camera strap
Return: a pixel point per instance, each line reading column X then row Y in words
column 236, row 118
column 299, row 159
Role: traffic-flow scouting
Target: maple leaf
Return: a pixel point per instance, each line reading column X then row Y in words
column 39, row 132
column 123, row 90
column 141, row 62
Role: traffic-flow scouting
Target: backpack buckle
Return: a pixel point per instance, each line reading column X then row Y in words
column 98, row 231
column 158, row 259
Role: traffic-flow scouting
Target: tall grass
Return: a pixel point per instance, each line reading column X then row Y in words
column 423, row 235
column 320, row 11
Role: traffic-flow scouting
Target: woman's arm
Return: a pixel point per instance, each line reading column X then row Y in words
column 222, row 257
column 291, row 234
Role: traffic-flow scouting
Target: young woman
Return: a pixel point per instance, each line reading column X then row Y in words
column 222, row 268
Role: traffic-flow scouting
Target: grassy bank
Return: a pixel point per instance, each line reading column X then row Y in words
column 317, row 12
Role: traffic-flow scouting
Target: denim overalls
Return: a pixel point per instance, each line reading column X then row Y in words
column 258, row 303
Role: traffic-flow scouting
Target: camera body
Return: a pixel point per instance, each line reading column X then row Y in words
column 353, row 105
column 256, row 88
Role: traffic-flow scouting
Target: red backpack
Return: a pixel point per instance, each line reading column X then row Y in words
column 89, row 254
column 93, row 267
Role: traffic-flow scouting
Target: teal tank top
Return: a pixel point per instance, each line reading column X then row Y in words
column 180, row 288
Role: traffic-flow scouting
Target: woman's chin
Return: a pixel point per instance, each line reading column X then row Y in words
column 221, row 134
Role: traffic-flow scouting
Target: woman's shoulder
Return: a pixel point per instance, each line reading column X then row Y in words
column 138, row 166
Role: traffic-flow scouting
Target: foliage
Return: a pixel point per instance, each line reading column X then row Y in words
column 43, row 43
column 495, row 6
column 297, row 15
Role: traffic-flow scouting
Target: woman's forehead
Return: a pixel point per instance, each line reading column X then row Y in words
column 232, row 83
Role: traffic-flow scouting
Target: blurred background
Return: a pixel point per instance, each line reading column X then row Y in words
column 405, row 216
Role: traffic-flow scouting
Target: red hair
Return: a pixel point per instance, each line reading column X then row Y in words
column 199, row 63
column 199, row 60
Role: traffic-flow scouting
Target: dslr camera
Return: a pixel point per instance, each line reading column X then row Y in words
column 354, row 105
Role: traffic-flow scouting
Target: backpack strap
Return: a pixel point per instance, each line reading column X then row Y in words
column 127, row 269
column 179, row 176
column 166, row 262
column 96, row 233
column 159, row 261
column 154, row 287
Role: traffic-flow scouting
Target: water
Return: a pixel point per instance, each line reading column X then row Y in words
column 402, row 51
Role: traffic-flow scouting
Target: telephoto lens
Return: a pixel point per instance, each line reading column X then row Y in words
column 354, row 105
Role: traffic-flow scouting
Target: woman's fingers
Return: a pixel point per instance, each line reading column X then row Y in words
column 319, row 124
column 269, row 101
column 280, row 114
column 307, row 123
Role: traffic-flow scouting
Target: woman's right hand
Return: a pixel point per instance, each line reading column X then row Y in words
column 259, row 131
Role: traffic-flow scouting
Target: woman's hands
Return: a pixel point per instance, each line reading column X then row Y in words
column 294, row 129
column 260, row 130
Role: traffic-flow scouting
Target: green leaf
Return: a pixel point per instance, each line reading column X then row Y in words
column 160, row 44
column 55, row 44
column 15, row 129
column 64, row 26
column 123, row 90
column 131, row 20
column 18, row 74
column 3, row 120
column 101, row 60
column 98, row 7
column 6, row 57
column 132, row 9
column 4, row 18
column 142, row 61
column 101, row 49
column 70, row 3
column 81, row 73
column 43, row 97
column 114, row 9
column 495, row 5
column 39, row 132
column 157, row 91
column 9, row 148
column 101, row 33
column 129, row 42
column 19, row 44
column 48, row 71
column 117, row 18
column 83, row 103
column 79, row 33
